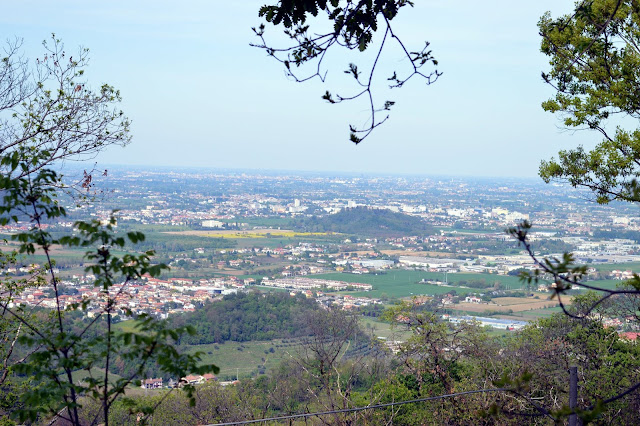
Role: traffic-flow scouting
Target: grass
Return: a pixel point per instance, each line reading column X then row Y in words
column 537, row 313
column 608, row 284
column 96, row 373
column 405, row 283
column 378, row 328
column 250, row 360
column 125, row 327
column 256, row 357
column 255, row 234
column 267, row 288
column 282, row 241
column 246, row 359
column 608, row 267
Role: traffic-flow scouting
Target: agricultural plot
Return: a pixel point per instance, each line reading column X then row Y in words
column 608, row 267
column 541, row 313
column 246, row 359
column 383, row 330
column 607, row 284
column 406, row 283
column 507, row 305
column 270, row 238
column 253, row 234
column 95, row 373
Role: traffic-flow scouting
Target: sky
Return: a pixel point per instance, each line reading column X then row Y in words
column 199, row 95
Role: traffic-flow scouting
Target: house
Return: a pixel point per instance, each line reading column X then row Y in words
column 207, row 377
column 192, row 380
column 152, row 383
column 629, row 335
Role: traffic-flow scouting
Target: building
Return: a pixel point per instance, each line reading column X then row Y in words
column 212, row 224
column 152, row 383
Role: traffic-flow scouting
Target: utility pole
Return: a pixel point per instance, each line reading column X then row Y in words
column 573, row 394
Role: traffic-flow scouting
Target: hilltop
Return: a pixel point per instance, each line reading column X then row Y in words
column 370, row 222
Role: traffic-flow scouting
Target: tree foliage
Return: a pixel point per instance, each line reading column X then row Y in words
column 244, row 317
column 368, row 222
column 49, row 106
column 595, row 69
column 350, row 25
column 47, row 116
column 57, row 350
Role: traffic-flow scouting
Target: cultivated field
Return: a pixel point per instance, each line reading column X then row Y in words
column 406, row 283
column 511, row 304
column 246, row 359
column 383, row 329
column 255, row 233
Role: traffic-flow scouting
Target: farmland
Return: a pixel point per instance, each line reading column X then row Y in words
column 245, row 358
column 253, row 234
column 406, row 283
column 509, row 305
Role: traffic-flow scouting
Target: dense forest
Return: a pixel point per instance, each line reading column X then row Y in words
column 364, row 221
column 247, row 316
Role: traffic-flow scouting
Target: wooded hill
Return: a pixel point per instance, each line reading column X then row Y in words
column 247, row 316
column 365, row 221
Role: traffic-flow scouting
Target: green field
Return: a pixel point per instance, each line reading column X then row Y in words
column 537, row 313
column 282, row 241
column 607, row 267
column 405, row 283
column 125, row 327
column 608, row 284
column 256, row 356
column 374, row 327
column 96, row 373
column 245, row 358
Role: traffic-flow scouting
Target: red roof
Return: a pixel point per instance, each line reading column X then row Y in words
column 629, row 335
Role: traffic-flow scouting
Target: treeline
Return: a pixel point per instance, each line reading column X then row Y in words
column 617, row 233
column 247, row 316
column 364, row 221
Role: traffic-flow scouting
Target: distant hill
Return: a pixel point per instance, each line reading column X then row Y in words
column 365, row 221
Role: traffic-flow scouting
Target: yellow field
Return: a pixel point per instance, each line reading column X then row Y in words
column 256, row 233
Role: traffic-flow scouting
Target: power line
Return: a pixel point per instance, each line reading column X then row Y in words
column 368, row 407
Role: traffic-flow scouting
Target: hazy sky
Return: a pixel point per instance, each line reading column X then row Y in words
column 198, row 95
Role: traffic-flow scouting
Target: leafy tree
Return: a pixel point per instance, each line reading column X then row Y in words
column 335, row 357
column 244, row 317
column 45, row 349
column 594, row 58
column 58, row 351
column 49, row 107
column 607, row 366
column 350, row 25
column 434, row 350
column 595, row 69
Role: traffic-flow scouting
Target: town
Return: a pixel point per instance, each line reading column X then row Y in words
column 222, row 233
